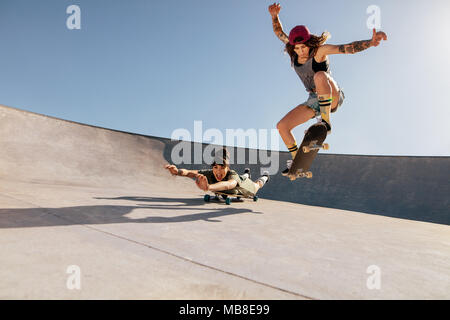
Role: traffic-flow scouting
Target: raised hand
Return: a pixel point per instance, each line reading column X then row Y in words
column 377, row 37
column 274, row 9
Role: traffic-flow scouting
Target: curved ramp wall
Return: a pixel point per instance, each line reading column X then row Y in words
column 39, row 148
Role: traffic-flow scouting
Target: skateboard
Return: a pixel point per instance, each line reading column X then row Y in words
column 311, row 144
column 228, row 198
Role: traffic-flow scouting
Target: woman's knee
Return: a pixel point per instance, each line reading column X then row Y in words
column 284, row 126
column 294, row 118
column 281, row 126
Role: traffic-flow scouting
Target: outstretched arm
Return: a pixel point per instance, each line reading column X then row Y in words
column 223, row 185
column 274, row 10
column 351, row 48
column 202, row 183
column 181, row 172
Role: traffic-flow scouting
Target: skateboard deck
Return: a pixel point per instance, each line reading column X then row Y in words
column 227, row 197
column 311, row 144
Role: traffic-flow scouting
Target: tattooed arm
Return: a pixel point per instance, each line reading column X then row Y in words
column 355, row 47
column 182, row 172
column 350, row 48
column 274, row 10
column 278, row 29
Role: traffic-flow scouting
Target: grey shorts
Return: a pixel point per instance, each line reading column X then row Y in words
column 313, row 102
column 246, row 188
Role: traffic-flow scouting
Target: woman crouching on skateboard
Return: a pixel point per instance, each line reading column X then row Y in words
column 221, row 178
column 309, row 58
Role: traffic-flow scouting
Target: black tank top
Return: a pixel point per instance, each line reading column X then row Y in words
column 316, row 66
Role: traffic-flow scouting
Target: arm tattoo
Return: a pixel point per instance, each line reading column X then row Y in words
column 355, row 47
column 278, row 29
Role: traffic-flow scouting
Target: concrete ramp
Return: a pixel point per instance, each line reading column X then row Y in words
column 82, row 205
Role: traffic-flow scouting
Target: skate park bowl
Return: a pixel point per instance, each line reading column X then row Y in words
column 98, row 201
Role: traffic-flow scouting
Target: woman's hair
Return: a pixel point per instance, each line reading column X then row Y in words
column 221, row 157
column 313, row 43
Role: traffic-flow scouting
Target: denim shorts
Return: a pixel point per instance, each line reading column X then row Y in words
column 313, row 102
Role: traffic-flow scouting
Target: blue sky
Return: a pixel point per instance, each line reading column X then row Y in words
column 151, row 67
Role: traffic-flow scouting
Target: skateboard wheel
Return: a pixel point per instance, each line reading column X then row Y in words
column 326, row 146
column 305, row 149
column 228, row 201
column 255, row 198
column 206, row 197
column 309, row 175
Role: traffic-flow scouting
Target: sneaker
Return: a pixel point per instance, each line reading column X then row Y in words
column 289, row 165
column 246, row 174
column 266, row 174
column 327, row 125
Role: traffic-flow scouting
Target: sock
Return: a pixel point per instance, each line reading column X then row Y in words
column 325, row 101
column 263, row 179
column 293, row 150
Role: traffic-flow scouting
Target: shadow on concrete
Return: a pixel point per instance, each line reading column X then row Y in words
column 183, row 201
column 108, row 214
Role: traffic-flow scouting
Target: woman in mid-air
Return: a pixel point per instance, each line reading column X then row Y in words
column 309, row 58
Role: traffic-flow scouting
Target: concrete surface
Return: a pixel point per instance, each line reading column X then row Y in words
column 73, row 194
